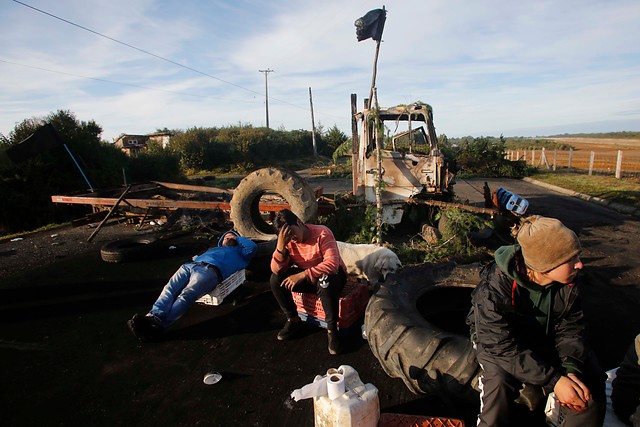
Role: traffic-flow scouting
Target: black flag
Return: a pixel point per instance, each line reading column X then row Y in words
column 45, row 138
column 371, row 25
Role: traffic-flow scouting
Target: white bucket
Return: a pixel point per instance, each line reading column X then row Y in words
column 358, row 406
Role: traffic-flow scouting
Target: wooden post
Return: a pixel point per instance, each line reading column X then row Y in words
column 533, row 157
column 591, row 160
column 113, row 208
column 543, row 159
column 355, row 160
column 379, row 172
column 570, row 157
column 619, row 165
column 555, row 156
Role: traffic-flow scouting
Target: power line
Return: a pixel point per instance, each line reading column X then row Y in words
column 135, row 48
column 114, row 82
column 149, row 53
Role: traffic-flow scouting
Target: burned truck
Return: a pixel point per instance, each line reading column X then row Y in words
column 408, row 166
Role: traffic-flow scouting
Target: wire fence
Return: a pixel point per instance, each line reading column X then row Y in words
column 620, row 163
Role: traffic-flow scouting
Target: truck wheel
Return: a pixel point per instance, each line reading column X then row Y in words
column 127, row 249
column 432, row 355
column 245, row 213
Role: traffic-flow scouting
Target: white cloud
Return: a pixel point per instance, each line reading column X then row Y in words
column 487, row 67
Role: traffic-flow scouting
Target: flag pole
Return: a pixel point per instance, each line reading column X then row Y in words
column 372, row 25
column 373, row 103
column 375, row 71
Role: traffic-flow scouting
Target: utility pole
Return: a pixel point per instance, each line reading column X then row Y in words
column 266, row 92
column 313, row 126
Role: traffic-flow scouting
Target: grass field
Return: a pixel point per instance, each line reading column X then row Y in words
column 625, row 191
column 601, row 154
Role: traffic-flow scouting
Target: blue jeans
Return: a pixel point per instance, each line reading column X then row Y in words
column 187, row 285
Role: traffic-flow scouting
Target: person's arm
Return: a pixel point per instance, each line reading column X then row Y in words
column 569, row 331
column 248, row 246
column 280, row 258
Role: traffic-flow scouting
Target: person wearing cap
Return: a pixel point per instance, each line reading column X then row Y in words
column 307, row 259
column 192, row 281
column 526, row 324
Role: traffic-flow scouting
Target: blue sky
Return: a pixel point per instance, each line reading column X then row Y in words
column 487, row 67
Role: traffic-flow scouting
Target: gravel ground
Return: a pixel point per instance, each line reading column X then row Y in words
column 44, row 247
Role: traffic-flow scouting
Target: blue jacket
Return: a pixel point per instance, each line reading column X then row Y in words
column 229, row 259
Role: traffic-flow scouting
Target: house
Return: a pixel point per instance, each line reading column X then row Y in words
column 134, row 144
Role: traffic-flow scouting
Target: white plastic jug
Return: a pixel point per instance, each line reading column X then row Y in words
column 358, row 406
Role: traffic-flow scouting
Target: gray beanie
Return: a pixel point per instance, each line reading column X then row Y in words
column 546, row 243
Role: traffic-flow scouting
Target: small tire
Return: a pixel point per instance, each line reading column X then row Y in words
column 245, row 213
column 131, row 249
column 428, row 359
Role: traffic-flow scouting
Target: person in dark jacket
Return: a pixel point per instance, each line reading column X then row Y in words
column 192, row 281
column 625, row 392
column 526, row 324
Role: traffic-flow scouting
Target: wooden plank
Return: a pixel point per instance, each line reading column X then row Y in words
column 188, row 187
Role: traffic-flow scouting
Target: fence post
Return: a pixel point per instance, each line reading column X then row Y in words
column 570, row 157
column 533, row 157
column 543, row 158
column 555, row 155
column 619, row 165
column 591, row 159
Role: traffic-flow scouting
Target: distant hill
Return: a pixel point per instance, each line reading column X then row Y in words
column 608, row 135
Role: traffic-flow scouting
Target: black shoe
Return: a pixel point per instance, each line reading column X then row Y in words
column 290, row 329
column 145, row 328
column 334, row 342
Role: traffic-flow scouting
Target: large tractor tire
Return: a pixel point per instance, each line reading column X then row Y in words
column 245, row 213
column 415, row 328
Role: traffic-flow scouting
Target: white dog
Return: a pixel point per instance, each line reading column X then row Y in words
column 371, row 262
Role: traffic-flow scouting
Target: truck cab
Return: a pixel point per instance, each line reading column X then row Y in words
column 411, row 164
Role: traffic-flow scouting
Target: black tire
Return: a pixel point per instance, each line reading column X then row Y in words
column 429, row 359
column 245, row 214
column 131, row 249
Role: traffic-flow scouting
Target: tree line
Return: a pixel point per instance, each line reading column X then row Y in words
column 26, row 186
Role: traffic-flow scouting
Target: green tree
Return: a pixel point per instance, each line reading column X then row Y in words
column 333, row 138
column 27, row 186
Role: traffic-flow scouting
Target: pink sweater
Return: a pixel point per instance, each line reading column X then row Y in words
column 317, row 255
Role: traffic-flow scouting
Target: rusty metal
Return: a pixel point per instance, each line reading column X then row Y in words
column 439, row 203
column 111, row 211
column 166, row 196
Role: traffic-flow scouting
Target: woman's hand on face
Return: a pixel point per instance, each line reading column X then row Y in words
column 284, row 237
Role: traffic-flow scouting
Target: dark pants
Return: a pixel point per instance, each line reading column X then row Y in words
column 499, row 391
column 329, row 296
